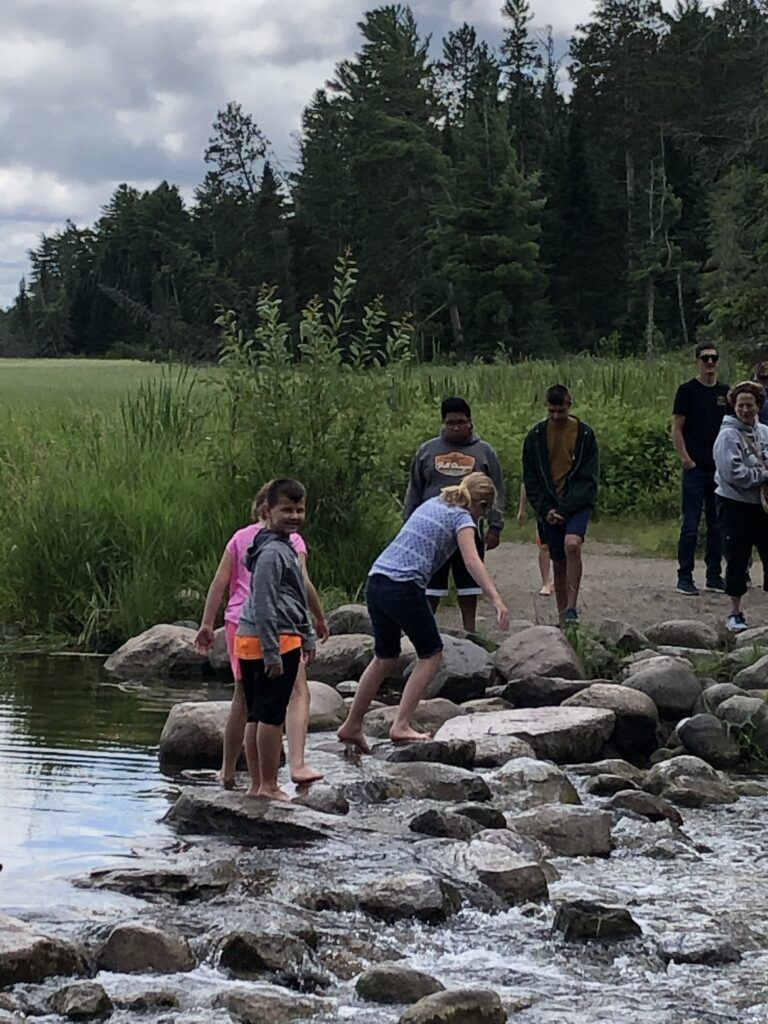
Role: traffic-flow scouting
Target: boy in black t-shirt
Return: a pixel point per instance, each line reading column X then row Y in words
column 700, row 405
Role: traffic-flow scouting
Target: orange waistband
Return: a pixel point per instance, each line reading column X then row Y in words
column 249, row 647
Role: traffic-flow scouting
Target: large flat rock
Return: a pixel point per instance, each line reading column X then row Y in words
column 561, row 734
column 267, row 822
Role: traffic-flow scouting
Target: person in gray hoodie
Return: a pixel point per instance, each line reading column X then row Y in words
column 741, row 472
column 443, row 462
column 275, row 627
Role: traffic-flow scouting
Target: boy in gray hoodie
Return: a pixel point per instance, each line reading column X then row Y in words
column 275, row 627
column 443, row 462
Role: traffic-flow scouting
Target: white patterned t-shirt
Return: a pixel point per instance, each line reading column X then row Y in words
column 426, row 541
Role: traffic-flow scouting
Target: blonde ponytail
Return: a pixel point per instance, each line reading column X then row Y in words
column 475, row 487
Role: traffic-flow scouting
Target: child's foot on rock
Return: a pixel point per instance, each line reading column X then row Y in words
column 546, row 590
column 409, row 736
column 355, row 739
column 270, row 793
column 227, row 783
column 303, row 775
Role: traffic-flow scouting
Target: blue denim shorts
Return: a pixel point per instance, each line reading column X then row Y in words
column 554, row 536
column 397, row 607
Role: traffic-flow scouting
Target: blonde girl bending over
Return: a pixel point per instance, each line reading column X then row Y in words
column 397, row 600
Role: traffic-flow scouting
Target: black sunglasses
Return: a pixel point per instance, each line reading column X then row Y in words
column 709, row 359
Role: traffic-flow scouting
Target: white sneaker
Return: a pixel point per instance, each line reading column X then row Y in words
column 736, row 623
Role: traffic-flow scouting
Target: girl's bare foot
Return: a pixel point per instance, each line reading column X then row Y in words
column 305, row 774
column 228, row 783
column 409, row 736
column 273, row 794
column 356, row 739
column 546, row 590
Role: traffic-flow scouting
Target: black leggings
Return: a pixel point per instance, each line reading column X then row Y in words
column 743, row 525
column 267, row 698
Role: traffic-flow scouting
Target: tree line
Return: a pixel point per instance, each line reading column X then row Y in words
column 504, row 214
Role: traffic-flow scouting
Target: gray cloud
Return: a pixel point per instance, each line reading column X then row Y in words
column 96, row 92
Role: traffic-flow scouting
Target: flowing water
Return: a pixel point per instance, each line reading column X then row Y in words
column 81, row 788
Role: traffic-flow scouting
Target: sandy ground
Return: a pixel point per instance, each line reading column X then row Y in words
column 616, row 584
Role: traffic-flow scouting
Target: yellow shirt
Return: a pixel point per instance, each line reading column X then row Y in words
column 561, row 447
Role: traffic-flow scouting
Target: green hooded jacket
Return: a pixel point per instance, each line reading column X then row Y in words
column 580, row 489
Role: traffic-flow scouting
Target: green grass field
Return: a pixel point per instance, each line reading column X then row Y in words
column 123, row 480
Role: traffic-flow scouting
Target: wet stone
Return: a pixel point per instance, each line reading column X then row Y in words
column 444, row 824
column 176, row 880
column 415, row 895
column 527, row 782
column 459, row 753
column 137, row 948
column 567, row 831
column 424, row 781
column 586, row 919
column 82, row 1000
column 487, row 817
column 395, row 983
column 270, row 1006
column 27, row 955
column 250, row 954
column 494, row 751
column 654, row 808
column 150, row 999
column 326, row 799
column 459, row 1006
column 608, row 785
column 693, row 948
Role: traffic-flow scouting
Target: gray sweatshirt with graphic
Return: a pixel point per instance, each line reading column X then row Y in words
column 741, row 457
column 441, row 463
column 277, row 602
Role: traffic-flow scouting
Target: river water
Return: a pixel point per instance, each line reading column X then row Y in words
column 81, row 789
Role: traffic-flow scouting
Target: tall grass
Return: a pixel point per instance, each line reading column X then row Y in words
column 120, row 488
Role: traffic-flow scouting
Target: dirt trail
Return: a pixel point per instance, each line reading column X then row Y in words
column 616, row 584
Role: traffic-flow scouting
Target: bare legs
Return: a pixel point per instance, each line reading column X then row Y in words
column 467, row 607
column 295, row 727
column 262, row 751
column 544, row 570
column 568, row 574
column 370, row 681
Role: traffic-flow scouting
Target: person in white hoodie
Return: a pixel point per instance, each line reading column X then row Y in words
column 741, row 471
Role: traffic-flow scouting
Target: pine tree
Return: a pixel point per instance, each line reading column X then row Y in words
column 521, row 63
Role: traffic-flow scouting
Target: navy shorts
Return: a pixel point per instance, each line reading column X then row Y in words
column 554, row 536
column 397, row 607
column 465, row 582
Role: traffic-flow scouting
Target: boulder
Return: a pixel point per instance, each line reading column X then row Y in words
column 622, row 636
column 327, row 709
column 82, row 1000
column 637, row 717
column 425, row 781
column 395, row 983
column 415, row 895
column 669, row 682
column 218, row 656
column 444, row 824
column 586, row 919
column 755, row 677
column 607, row 785
column 527, row 782
column 610, row 766
column 459, row 753
column 684, row 633
column 688, row 782
column 484, row 704
column 178, row 879
column 157, row 652
column 459, row 1006
column 27, row 955
column 138, row 948
column 148, row 1000
column 713, row 696
column 704, row 736
column 654, row 808
column 249, row 954
column 537, row 651
column 541, row 691
column 559, row 734
column 323, row 798
column 193, row 734
column 756, row 637
column 487, row 817
column 265, row 1005
column 746, row 718
column 567, row 831
column 342, row 657
column 513, row 877
column 494, row 751
column 350, row 618
column 428, row 717
column 465, row 671
column 690, row 947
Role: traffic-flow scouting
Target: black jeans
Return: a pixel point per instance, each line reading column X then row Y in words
column 744, row 526
column 698, row 495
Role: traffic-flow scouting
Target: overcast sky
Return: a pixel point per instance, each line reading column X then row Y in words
column 97, row 92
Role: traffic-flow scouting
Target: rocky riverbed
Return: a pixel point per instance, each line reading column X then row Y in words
column 564, row 850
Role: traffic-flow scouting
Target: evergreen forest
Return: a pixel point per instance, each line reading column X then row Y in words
column 507, row 201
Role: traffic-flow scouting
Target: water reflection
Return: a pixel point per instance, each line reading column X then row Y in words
column 78, row 772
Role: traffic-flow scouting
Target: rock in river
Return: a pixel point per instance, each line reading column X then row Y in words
column 415, row 895
column 459, row 1006
column 395, row 983
column 425, row 781
column 585, row 919
column 527, row 782
column 428, row 717
column 27, row 955
column 465, row 671
column 559, row 734
column 689, row 782
column 138, row 948
column 82, row 1000
column 159, row 651
column 567, row 831
column 193, row 734
column 636, row 715
column 538, row 651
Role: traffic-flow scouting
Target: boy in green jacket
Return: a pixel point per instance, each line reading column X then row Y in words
column 560, row 473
